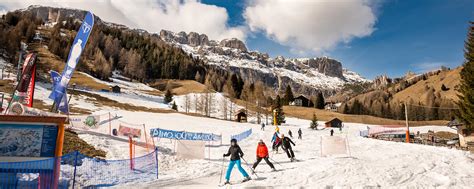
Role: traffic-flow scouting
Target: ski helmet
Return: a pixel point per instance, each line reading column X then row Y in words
column 233, row 140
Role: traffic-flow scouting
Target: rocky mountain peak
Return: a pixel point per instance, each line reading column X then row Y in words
column 327, row 66
column 234, row 43
column 194, row 39
column 381, row 81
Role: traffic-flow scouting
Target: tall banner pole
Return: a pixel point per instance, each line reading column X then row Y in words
column 407, row 134
column 146, row 138
column 110, row 125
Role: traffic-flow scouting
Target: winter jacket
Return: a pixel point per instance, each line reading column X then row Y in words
column 262, row 150
column 286, row 142
column 234, row 152
column 276, row 138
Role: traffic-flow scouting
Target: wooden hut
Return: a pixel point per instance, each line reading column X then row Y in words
column 241, row 116
column 334, row 123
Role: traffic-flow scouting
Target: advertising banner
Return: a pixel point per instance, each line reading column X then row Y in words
column 30, row 93
column 127, row 131
column 85, row 122
column 183, row 135
column 333, row 145
column 242, row 135
column 73, row 58
column 63, row 105
column 20, row 94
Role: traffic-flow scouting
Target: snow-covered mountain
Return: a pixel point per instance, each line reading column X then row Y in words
column 305, row 75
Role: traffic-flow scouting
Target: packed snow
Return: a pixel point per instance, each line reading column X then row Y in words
column 370, row 162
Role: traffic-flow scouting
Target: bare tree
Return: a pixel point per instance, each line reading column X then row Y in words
column 210, row 104
column 187, row 103
column 224, row 108
column 203, row 103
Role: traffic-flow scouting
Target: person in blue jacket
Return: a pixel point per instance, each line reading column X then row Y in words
column 235, row 154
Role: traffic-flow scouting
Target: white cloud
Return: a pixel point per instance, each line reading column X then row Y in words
column 424, row 67
column 151, row 15
column 311, row 25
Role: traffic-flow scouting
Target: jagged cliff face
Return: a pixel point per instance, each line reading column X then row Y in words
column 305, row 75
column 381, row 82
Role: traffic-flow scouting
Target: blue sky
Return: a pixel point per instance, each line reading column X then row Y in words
column 371, row 37
column 415, row 35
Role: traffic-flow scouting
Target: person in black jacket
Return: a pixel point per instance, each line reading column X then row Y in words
column 286, row 144
column 235, row 153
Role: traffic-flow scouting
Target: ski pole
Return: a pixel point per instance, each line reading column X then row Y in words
column 250, row 167
column 276, row 162
column 222, row 169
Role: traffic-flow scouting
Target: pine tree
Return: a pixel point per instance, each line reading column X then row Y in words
column 277, row 102
column 174, row 107
column 319, row 104
column 314, row 122
column 466, row 88
column 168, row 96
column 345, row 109
column 288, row 96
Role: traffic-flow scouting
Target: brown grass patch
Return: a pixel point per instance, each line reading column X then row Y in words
column 72, row 143
column 323, row 115
column 179, row 87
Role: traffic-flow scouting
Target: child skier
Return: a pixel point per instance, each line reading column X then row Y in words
column 262, row 153
column 300, row 133
column 276, row 142
column 290, row 133
column 235, row 153
column 263, row 127
column 332, row 132
column 286, row 144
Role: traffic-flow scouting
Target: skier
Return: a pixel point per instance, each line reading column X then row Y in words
column 263, row 127
column 262, row 153
column 286, row 145
column 300, row 133
column 290, row 133
column 332, row 132
column 235, row 153
column 276, row 142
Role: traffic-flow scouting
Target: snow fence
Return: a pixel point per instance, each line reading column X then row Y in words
column 78, row 171
column 242, row 135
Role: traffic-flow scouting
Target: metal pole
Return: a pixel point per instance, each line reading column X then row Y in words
column 18, row 75
column 407, row 134
column 70, row 96
column 222, row 169
column 156, row 158
column 75, row 167
column 110, row 125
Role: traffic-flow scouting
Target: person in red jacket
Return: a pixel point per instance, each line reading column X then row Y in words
column 262, row 153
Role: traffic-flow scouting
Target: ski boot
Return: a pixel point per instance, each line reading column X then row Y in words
column 246, row 179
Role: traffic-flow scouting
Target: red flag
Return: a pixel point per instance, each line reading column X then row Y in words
column 31, row 89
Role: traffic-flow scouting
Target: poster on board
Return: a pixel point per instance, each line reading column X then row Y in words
column 27, row 140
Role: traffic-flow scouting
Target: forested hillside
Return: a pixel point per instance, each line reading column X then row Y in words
column 135, row 53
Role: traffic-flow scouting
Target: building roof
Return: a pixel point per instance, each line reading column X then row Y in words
column 335, row 119
column 301, row 97
column 455, row 123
